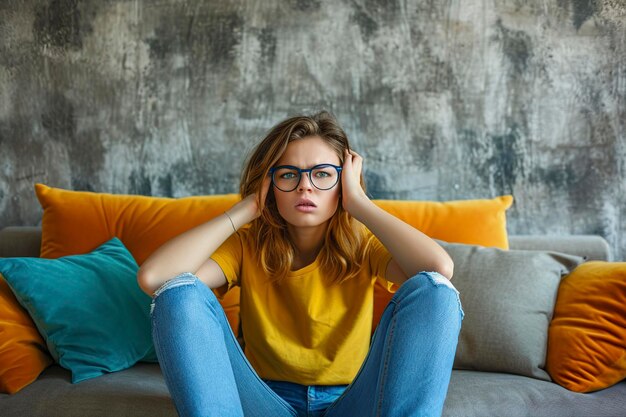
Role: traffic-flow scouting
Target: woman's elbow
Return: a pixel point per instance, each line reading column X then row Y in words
column 446, row 269
column 144, row 281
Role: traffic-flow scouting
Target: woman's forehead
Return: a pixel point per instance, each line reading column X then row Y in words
column 308, row 152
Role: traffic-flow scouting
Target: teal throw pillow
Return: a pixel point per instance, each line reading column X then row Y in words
column 89, row 308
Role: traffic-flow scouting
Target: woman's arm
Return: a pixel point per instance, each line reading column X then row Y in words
column 188, row 251
column 411, row 249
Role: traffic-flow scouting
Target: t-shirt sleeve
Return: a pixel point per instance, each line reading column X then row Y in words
column 229, row 256
column 379, row 258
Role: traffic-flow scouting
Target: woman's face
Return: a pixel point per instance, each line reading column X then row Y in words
column 306, row 153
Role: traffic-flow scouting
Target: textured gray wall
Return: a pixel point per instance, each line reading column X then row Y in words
column 445, row 99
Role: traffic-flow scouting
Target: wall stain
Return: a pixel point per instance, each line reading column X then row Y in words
column 305, row 5
column 139, row 183
column 433, row 73
column 556, row 177
column 581, row 10
column 59, row 117
column 267, row 39
column 165, row 186
column 388, row 10
column 367, row 25
column 85, row 149
column 516, row 46
column 424, row 145
column 82, row 183
column 376, row 185
column 209, row 38
column 496, row 159
column 58, row 23
column 505, row 160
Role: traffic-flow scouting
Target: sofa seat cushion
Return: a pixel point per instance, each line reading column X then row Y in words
column 484, row 394
column 137, row 392
column 141, row 391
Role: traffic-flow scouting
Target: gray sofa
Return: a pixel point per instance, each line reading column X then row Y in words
column 141, row 391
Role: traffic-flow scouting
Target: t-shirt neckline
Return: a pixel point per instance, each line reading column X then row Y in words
column 306, row 269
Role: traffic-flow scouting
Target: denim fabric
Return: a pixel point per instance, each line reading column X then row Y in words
column 406, row 371
column 310, row 401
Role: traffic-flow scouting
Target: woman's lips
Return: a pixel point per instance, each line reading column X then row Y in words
column 304, row 202
column 305, row 208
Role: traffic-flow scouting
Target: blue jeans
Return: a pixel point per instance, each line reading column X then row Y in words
column 406, row 371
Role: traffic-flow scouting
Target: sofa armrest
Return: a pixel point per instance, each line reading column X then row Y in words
column 591, row 247
column 20, row 241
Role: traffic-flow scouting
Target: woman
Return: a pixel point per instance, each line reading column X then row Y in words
column 306, row 266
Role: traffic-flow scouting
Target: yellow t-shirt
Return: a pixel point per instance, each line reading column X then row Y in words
column 303, row 330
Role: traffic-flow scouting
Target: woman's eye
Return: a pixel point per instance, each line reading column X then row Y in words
column 288, row 175
column 322, row 174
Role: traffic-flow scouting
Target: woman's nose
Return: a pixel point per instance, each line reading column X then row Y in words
column 305, row 182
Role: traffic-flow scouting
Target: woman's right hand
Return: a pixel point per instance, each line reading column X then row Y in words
column 248, row 207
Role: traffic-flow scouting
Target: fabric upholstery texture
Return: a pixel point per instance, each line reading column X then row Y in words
column 88, row 308
column 587, row 336
column 20, row 241
column 508, row 298
column 590, row 247
column 141, row 391
column 23, row 352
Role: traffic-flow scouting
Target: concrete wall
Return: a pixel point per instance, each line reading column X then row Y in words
column 444, row 99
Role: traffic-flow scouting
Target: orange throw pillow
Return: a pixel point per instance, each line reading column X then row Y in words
column 473, row 222
column 75, row 222
column 23, row 352
column 587, row 335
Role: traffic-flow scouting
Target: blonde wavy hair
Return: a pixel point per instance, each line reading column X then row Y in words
column 343, row 250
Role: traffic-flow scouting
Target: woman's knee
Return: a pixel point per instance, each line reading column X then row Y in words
column 434, row 287
column 185, row 286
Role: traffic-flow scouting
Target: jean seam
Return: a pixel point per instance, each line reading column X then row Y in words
column 386, row 363
column 164, row 367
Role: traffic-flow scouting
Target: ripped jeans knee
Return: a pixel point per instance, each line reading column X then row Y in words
column 186, row 278
column 437, row 281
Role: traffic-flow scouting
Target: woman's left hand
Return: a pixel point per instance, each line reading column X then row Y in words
column 352, row 192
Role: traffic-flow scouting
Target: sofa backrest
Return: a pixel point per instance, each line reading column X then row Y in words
column 591, row 247
column 26, row 241
column 20, row 241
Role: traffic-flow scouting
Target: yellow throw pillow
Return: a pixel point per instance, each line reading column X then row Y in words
column 75, row 222
column 587, row 335
column 473, row 222
column 23, row 352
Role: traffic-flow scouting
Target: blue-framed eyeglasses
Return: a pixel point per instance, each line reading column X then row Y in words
column 323, row 176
